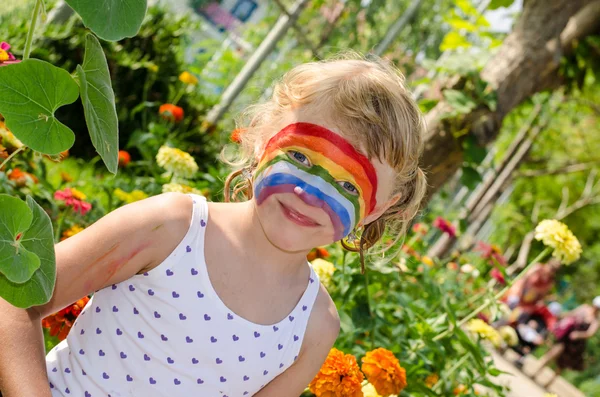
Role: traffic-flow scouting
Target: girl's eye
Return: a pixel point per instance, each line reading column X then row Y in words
column 299, row 157
column 350, row 188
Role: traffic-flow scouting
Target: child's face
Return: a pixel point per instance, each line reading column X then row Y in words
column 312, row 187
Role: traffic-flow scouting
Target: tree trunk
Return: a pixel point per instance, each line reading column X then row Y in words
column 526, row 63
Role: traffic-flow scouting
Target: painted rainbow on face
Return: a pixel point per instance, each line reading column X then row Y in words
column 334, row 163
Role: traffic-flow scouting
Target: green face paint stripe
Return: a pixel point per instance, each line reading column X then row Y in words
column 318, row 171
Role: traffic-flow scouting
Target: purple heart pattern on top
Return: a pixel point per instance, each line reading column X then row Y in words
column 221, row 340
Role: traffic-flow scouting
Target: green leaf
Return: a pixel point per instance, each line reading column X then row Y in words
column 30, row 93
column 38, row 239
column 346, row 324
column 470, row 177
column 16, row 263
column 494, row 4
column 98, row 101
column 474, row 153
column 459, row 101
column 111, row 19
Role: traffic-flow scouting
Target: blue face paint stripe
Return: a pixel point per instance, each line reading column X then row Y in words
column 284, row 179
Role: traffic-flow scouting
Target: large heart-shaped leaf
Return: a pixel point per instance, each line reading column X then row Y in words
column 17, row 264
column 30, row 93
column 98, row 101
column 37, row 239
column 111, row 19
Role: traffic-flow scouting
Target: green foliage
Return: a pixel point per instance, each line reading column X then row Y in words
column 35, row 250
column 17, row 264
column 30, row 94
column 99, row 103
column 114, row 19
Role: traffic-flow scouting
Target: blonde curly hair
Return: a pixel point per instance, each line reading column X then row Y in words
column 366, row 99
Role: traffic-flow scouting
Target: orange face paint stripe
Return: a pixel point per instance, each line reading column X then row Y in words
column 332, row 146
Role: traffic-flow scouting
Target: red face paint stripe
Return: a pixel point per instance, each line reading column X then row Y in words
column 278, row 142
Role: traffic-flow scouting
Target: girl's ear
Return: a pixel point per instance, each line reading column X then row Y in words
column 380, row 209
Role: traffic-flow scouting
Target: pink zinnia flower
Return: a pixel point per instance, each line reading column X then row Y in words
column 74, row 198
column 491, row 253
column 445, row 226
column 497, row 274
column 5, row 56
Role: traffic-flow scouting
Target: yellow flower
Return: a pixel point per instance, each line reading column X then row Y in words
column 550, row 395
column 70, row 232
column 427, row 260
column 431, row 380
column 484, row 331
column 135, row 195
column 339, row 376
column 557, row 235
column 383, row 370
column 178, row 187
column 77, row 194
column 324, row 270
column 177, row 161
column 188, row 78
column 509, row 335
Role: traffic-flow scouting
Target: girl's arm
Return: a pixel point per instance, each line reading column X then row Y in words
column 129, row 240
column 321, row 333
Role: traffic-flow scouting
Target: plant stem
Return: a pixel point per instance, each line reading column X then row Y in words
column 450, row 372
column 36, row 11
column 59, row 224
column 11, row 156
column 371, row 313
column 496, row 297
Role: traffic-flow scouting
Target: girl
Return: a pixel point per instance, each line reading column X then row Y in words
column 217, row 299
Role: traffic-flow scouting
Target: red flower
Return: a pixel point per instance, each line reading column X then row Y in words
column 491, row 253
column 236, row 135
column 171, row 112
column 60, row 323
column 497, row 274
column 445, row 226
column 73, row 198
column 124, row 158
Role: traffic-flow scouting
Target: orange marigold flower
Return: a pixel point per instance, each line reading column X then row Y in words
column 21, row 178
column 60, row 323
column 338, row 377
column 171, row 112
column 383, row 370
column 124, row 158
column 460, row 389
column 317, row 253
column 431, row 380
column 236, row 135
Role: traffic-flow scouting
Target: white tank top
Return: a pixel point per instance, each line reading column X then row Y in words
column 167, row 333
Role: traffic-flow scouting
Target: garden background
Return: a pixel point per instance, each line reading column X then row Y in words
column 512, row 139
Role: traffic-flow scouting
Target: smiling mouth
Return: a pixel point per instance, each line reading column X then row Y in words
column 297, row 217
